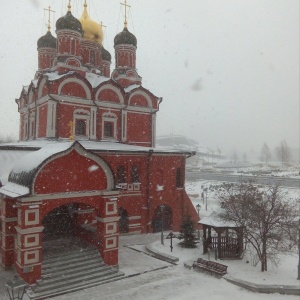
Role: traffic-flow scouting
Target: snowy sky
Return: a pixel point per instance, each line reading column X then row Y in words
column 228, row 70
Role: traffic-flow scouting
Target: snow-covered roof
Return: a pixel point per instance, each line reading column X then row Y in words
column 14, row 190
column 8, row 159
column 34, row 82
column 131, row 87
column 54, row 75
column 92, row 145
column 23, row 171
column 34, row 159
column 20, row 159
column 95, row 79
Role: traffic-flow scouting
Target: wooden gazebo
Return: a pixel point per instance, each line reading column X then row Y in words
column 227, row 238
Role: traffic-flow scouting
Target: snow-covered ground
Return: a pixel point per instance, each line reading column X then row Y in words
column 154, row 279
column 160, row 280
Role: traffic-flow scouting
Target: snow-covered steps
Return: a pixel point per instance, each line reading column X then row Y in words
column 73, row 270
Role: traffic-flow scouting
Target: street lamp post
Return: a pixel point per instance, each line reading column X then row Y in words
column 299, row 252
column 162, row 223
column 198, row 207
column 16, row 288
column 205, row 190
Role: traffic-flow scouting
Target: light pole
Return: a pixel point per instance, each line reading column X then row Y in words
column 299, row 252
column 16, row 288
column 198, row 207
column 162, row 223
column 205, row 190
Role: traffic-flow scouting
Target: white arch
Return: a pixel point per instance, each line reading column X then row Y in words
column 75, row 80
column 142, row 93
column 41, row 87
column 110, row 87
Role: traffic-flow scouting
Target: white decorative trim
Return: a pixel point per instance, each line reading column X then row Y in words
column 124, row 126
column 112, row 88
column 113, row 244
column 83, row 152
column 78, row 81
column 153, row 130
column 28, row 244
column 19, row 216
column 7, row 220
column 30, row 230
column 82, row 114
column 33, row 260
column 112, row 118
column 111, row 231
column 41, row 87
column 19, row 256
column 107, row 220
column 134, row 225
column 36, row 220
column 142, row 93
column 46, row 197
column 134, row 218
column 111, row 208
column 51, row 119
column 19, row 240
column 93, row 121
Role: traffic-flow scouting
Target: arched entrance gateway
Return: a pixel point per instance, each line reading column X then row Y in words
column 57, row 201
column 60, row 222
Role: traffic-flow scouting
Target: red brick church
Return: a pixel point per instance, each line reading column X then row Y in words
column 86, row 163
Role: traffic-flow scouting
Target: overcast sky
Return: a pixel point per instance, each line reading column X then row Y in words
column 228, row 70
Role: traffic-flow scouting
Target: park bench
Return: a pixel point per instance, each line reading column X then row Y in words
column 210, row 266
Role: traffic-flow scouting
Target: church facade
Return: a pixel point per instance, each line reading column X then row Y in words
column 90, row 167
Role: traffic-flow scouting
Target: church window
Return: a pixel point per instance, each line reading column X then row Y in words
column 109, row 126
column 108, row 129
column 73, row 44
column 92, row 58
column 178, row 178
column 121, row 174
column 135, row 174
column 80, row 128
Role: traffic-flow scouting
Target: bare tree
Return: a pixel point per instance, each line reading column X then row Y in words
column 268, row 220
column 265, row 153
column 283, row 153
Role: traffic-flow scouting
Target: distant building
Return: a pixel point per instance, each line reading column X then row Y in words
column 86, row 163
column 203, row 156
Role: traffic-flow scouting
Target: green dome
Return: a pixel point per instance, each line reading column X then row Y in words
column 47, row 41
column 125, row 37
column 105, row 55
column 69, row 22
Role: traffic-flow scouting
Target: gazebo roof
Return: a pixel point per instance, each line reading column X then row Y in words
column 214, row 220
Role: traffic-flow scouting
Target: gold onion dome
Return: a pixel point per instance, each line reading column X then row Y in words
column 92, row 30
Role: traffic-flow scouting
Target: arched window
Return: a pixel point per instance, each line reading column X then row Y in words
column 80, row 128
column 135, row 174
column 121, row 174
column 179, row 183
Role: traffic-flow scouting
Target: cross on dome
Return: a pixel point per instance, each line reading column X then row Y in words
column 49, row 23
column 125, row 19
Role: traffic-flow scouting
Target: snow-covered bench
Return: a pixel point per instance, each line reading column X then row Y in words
column 210, row 266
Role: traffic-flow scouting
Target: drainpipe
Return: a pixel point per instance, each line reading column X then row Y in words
column 148, row 189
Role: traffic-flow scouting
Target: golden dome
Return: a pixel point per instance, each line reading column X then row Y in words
column 92, row 31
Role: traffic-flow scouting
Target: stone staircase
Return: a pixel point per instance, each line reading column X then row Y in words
column 70, row 271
